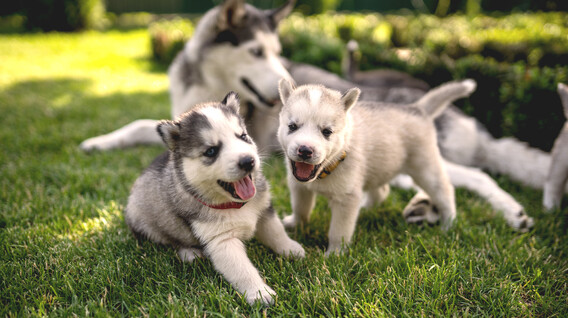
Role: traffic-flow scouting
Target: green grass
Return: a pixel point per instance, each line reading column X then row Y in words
column 65, row 250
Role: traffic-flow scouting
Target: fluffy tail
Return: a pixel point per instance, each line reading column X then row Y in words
column 437, row 99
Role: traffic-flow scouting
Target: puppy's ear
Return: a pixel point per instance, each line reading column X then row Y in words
column 350, row 97
column 231, row 14
column 232, row 101
column 170, row 132
column 278, row 14
column 563, row 92
column 285, row 88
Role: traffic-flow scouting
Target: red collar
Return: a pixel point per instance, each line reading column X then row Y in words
column 223, row 206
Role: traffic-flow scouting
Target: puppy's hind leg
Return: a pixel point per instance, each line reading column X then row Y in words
column 142, row 131
column 431, row 176
column 270, row 232
column 375, row 196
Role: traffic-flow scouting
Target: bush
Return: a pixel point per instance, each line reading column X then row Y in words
column 168, row 38
column 64, row 15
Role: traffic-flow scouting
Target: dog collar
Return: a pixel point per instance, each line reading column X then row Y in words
column 329, row 169
column 222, row 206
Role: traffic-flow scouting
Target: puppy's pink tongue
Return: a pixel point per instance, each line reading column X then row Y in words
column 304, row 170
column 244, row 188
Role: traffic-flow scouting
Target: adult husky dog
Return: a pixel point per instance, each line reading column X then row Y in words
column 557, row 178
column 235, row 47
column 207, row 194
column 342, row 149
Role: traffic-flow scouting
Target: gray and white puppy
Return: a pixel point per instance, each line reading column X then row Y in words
column 555, row 185
column 344, row 150
column 207, row 195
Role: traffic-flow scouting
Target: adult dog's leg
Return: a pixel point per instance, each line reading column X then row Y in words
column 479, row 182
column 142, row 131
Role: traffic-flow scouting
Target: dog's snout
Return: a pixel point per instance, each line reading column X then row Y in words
column 305, row 152
column 247, row 163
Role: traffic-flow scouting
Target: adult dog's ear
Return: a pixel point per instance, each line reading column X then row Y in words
column 278, row 14
column 285, row 88
column 232, row 100
column 350, row 97
column 231, row 14
column 170, row 132
column 563, row 92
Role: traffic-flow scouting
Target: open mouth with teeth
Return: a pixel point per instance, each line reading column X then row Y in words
column 242, row 189
column 304, row 171
column 268, row 102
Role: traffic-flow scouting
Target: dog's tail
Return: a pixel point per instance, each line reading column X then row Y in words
column 437, row 99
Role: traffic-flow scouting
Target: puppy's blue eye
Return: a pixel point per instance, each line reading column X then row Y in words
column 326, row 132
column 211, row 152
column 244, row 137
column 293, row 127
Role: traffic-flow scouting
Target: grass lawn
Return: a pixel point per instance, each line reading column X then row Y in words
column 65, row 249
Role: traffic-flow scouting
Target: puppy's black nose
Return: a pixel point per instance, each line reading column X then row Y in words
column 305, row 152
column 246, row 163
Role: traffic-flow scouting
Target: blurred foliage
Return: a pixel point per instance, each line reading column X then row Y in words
column 64, row 15
column 168, row 38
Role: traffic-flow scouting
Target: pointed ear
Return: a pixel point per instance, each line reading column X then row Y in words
column 231, row 14
column 278, row 14
column 170, row 132
column 563, row 92
column 285, row 88
column 350, row 97
column 232, row 101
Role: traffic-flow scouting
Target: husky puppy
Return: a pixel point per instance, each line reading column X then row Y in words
column 343, row 150
column 234, row 47
column 555, row 185
column 464, row 143
column 207, row 195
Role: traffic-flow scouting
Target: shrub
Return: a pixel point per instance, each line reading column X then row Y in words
column 64, row 15
column 168, row 38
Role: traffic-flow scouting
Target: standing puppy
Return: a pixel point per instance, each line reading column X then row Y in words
column 558, row 173
column 343, row 149
column 207, row 195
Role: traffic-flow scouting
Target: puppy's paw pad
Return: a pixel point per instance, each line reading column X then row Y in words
column 421, row 211
column 522, row 222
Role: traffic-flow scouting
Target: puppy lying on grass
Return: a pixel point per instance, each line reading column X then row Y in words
column 206, row 195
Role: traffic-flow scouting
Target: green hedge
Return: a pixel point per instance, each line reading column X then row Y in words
column 64, row 15
column 517, row 59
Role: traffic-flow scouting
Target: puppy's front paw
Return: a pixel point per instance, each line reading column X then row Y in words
column 290, row 221
column 188, row 255
column 264, row 295
column 293, row 249
column 336, row 250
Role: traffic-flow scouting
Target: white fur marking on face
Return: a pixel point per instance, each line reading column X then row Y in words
column 315, row 96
